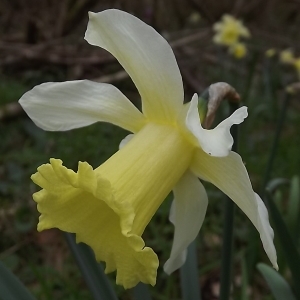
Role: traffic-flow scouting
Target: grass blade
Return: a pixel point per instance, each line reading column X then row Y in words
column 277, row 284
column 290, row 251
column 293, row 212
column 92, row 272
column 11, row 287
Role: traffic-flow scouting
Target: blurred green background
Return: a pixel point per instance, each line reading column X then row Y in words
column 42, row 41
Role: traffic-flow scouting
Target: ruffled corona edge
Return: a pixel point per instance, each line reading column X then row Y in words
column 83, row 203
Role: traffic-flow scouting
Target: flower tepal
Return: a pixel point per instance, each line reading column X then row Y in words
column 109, row 207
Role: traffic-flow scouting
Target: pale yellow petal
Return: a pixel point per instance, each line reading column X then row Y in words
column 60, row 106
column 145, row 55
column 217, row 141
column 230, row 176
column 187, row 214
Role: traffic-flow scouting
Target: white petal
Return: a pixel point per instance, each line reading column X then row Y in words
column 126, row 140
column 60, row 106
column 217, row 141
column 187, row 214
column 263, row 227
column 230, row 176
column 145, row 55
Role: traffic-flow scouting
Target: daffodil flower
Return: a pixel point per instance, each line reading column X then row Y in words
column 270, row 52
column 297, row 66
column 109, row 207
column 238, row 50
column 229, row 30
column 287, row 56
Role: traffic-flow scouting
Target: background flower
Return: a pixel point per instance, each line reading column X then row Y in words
column 229, row 31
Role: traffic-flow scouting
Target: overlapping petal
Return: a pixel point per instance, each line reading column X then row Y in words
column 84, row 203
column 217, row 141
column 230, row 176
column 126, row 140
column 187, row 214
column 67, row 105
column 145, row 55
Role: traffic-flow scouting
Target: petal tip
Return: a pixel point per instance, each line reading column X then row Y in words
column 91, row 15
column 244, row 111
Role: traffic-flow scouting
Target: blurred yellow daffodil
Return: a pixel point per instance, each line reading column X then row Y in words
column 287, row 56
column 296, row 64
column 270, row 52
column 238, row 50
column 229, row 31
column 109, row 207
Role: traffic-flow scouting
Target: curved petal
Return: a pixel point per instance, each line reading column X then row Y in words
column 217, row 141
column 84, row 203
column 126, row 140
column 145, row 55
column 60, row 106
column 264, row 226
column 187, row 214
column 230, row 176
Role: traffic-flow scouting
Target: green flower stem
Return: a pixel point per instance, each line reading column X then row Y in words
column 251, row 76
column 227, row 249
column 275, row 143
column 269, row 95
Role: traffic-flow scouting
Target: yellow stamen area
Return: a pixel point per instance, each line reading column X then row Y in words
column 108, row 208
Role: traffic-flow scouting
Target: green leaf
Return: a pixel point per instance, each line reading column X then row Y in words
column 189, row 277
column 92, row 272
column 277, row 284
column 141, row 292
column 290, row 251
column 11, row 288
column 293, row 212
column 275, row 183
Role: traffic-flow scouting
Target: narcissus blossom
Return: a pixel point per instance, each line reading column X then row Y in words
column 238, row 50
column 297, row 63
column 297, row 66
column 109, row 207
column 229, row 30
column 287, row 56
column 270, row 52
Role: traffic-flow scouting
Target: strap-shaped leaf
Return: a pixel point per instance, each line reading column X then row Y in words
column 92, row 272
column 189, row 276
column 277, row 284
column 293, row 216
column 290, row 251
column 11, row 288
column 141, row 292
